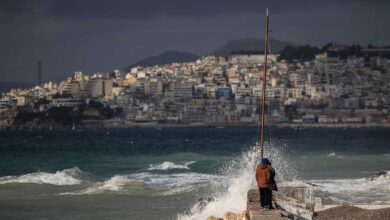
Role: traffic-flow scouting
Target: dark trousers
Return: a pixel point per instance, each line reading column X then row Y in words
column 265, row 197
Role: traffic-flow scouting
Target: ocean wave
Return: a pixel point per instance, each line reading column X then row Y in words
column 377, row 182
column 370, row 189
column 172, row 181
column 165, row 184
column 167, row 165
column 334, row 155
column 230, row 194
column 72, row 176
column 116, row 184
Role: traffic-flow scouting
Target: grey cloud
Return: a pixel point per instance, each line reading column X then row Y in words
column 146, row 9
column 102, row 35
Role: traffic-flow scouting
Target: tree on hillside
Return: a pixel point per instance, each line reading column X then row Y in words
column 302, row 53
column 354, row 50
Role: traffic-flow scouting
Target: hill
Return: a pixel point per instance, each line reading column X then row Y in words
column 165, row 58
column 250, row 44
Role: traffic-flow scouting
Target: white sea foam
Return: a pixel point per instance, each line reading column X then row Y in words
column 334, row 155
column 167, row 165
column 116, row 184
column 365, row 190
column 230, row 194
column 170, row 183
column 65, row 177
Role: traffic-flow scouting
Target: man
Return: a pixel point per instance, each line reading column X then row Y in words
column 263, row 178
column 273, row 186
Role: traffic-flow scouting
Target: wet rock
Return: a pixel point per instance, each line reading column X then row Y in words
column 230, row 216
column 351, row 212
column 243, row 216
column 188, row 213
column 202, row 203
column 213, row 218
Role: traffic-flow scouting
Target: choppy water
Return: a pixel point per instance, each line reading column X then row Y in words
column 160, row 174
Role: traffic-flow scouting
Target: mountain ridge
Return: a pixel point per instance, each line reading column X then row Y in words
column 166, row 57
column 242, row 44
column 250, row 44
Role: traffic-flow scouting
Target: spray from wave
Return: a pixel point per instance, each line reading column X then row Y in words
column 238, row 177
column 167, row 165
column 71, row 176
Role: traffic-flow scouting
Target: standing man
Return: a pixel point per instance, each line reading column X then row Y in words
column 263, row 178
column 273, row 186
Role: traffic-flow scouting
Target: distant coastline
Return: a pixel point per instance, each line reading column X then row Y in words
column 338, row 86
column 105, row 124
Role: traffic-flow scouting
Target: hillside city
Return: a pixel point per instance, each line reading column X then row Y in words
column 327, row 90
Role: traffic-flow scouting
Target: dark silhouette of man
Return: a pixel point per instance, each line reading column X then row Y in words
column 263, row 178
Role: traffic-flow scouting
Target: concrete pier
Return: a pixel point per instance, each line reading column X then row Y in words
column 290, row 202
column 253, row 208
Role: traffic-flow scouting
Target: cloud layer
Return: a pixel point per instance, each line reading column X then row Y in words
column 102, row 35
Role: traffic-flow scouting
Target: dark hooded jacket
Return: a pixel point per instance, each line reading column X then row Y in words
column 273, row 185
column 263, row 176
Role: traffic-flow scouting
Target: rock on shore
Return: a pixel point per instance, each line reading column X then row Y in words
column 353, row 213
column 231, row 216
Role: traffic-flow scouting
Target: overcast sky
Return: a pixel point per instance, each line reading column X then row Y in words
column 102, row 35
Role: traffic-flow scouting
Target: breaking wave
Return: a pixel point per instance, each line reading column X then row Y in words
column 71, row 176
column 230, row 194
column 167, row 165
column 363, row 190
column 334, row 155
column 116, row 184
column 176, row 180
column 132, row 183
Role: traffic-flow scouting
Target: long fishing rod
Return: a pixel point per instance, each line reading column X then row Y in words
column 264, row 83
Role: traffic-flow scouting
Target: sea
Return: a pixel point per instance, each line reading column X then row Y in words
column 181, row 173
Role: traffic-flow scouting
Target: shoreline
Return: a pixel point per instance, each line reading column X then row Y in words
column 110, row 125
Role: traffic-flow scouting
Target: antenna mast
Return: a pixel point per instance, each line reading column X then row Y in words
column 39, row 73
column 264, row 82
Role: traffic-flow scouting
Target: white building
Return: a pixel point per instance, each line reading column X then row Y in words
column 24, row 100
column 98, row 88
